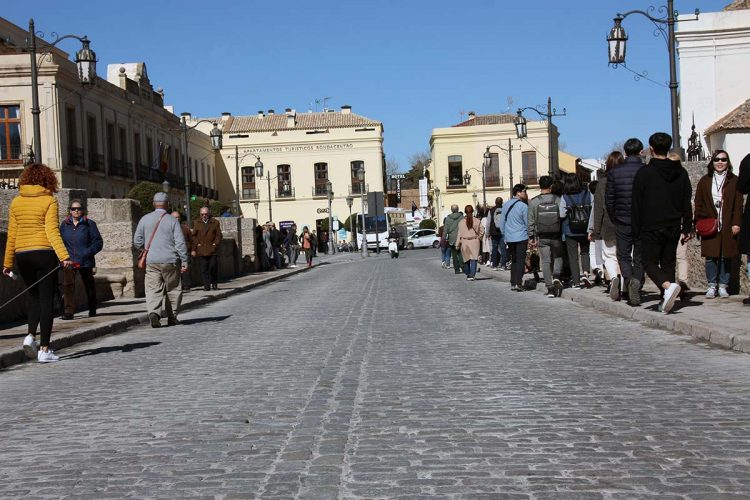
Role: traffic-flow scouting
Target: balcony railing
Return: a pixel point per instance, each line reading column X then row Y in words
column 319, row 191
column 529, row 180
column 75, row 157
column 455, row 183
column 148, row 174
column 357, row 188
column 250, row 194
column 497, row 182
column 96, row 163
column 9, row 178
column 120, row 168
column 284, row 195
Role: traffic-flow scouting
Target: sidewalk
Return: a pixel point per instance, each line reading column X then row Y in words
column 120, row 314
column 721, row 323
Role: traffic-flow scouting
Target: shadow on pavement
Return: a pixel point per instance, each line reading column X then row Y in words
column 194, row 321
column 13, row 336
column 116, row 348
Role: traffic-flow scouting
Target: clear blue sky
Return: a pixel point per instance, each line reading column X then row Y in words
column 412, row 64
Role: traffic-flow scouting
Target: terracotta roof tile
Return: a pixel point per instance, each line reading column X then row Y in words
column 304, row 121
column 738, row 5
column 488, row 120
column 738, row 118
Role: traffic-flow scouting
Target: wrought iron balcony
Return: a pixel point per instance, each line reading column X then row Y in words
column 454, row 183
column 284, row 195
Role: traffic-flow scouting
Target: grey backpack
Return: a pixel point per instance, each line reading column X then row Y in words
column 548, row 217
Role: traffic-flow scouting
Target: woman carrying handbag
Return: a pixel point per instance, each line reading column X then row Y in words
column 718, row 213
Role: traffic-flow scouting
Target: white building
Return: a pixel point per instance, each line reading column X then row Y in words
column 714, row 57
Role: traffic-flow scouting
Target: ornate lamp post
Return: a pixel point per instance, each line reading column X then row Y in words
column 617, row 39
column 509, row 150
column 349, row 203
column 256, row 204
column 521, row 130
column 436, row 200
column 216, row 143
column 237, row 159
column 362, row 189
column 85, row 61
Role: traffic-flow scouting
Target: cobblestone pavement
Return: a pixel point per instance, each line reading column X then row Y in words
column 381, row 378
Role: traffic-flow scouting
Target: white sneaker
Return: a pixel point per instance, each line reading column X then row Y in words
column 711, row 292
column 723, row 294
column 670, row 295
column 30, row 347
column 47, row 357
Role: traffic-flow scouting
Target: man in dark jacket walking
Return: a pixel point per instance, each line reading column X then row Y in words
column 451, row 234
column 661, row 211
column 619, row 196
column 206, row 240
column 498, row 250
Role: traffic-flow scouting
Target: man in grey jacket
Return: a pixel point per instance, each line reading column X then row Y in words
column 167, row 247
column 451, row 234
column 546, row 233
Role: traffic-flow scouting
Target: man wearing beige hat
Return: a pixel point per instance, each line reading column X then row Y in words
column 161, row 236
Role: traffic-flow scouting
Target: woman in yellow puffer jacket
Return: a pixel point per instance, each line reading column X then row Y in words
column 35, row 245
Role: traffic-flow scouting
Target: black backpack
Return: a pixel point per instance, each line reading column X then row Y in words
column 579, row 214
column 548, row 217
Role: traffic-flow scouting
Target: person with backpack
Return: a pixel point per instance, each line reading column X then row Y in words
column 545, row 232
column 498, row 249
column 575, row 210
column 514, row 224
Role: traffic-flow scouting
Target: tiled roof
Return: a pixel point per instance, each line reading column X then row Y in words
column 738, row 118
column 304, row 121
column 738, row 5
column 487, row 120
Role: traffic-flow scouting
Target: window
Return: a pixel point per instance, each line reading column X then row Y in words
column 110, row 144
column 528, row 168
column 71, row 131
column 284, row 178
column 492, row 172
column 249, row 192
column 10, row 132
column 123, row 145
column 93, row 144
column 455, row 171
column 357, row 186
column 138, row 156
column 321, row 177
column 150, row 152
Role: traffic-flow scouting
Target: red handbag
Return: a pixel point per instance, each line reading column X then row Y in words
column 707, row 227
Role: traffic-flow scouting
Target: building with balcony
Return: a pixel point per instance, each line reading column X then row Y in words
column 103, row 138
column 459, row 150
column 300, row 153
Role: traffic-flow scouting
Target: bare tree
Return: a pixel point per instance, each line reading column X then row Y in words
column 392, row 166
column 418, row 162
column 616, row 146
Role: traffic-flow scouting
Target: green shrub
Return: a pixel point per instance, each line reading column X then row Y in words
column 427, row 224
column 143, row 193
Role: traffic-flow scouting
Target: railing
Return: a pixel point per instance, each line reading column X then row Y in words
column 148, row 174
column 250, row 194
column 75, row 157
column 284, row 195
column 357, row 188
column 9, row 178
column 529, row 180
column 96, row 163
column 319, row 191
column 120, row 168
column 455, row 183
column 497, row 182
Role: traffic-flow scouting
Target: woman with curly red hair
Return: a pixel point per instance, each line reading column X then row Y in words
column 35, row 246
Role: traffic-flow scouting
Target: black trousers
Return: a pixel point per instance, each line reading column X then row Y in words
column 659, row 249
column 517, row 251
column 627, row 245
column 209, row 270
column 32, row 266
column 69, row 288
column 577, row 246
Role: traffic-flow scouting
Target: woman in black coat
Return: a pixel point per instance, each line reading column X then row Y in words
column 743, row 186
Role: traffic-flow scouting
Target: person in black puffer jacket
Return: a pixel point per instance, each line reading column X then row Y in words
column 618, row 197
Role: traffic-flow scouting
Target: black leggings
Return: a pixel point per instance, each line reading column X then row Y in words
column 32, row 266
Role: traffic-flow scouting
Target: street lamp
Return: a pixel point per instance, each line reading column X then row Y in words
column 362, row 189
column 349, row 203
column 285, row 188
column 467, row 180
column 86, row 69
column 237, row 159
column 256, row 204
column 165, row 186
column 509, row 150
column 329, row 194
column 436, row 200
column 521, row 130
column 617, row 40
column 474, row 198
column 216, row 143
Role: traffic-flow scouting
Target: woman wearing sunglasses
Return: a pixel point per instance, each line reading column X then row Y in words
column 717, row 199
column 83, row 241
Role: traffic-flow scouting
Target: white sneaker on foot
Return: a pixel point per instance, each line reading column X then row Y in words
column 47, row 357
column 670, row 295
column 711, row 292
column 723, row 293
column 30, row 347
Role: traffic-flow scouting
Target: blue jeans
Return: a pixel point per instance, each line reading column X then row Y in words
column 717, row 271
column 470, row 268
column 498, row 247
column 445, row 255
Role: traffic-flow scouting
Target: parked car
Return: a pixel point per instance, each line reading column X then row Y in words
column 423, row 238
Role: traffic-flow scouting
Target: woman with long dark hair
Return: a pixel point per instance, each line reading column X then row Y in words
column 604, row 229
column 743, row 186
column 34, row 245
column 470, row 232
column 575, row 202
column 307, row 241
column 716, row 197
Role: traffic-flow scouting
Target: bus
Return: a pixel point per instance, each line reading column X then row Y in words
column 391, row 224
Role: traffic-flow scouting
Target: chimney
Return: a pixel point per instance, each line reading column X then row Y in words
column 270, row 112
column 346, row 109
column 187, row 115
column 225, row 116
column 291, row 118
column 260, row 113
column 472, row 115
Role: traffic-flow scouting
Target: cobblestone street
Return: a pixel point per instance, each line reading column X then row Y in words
column 381, row 378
